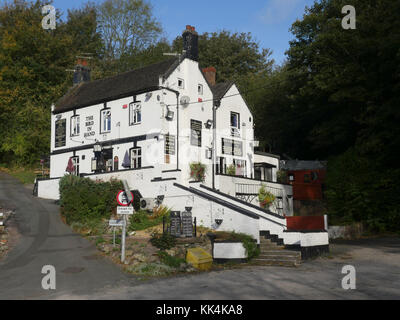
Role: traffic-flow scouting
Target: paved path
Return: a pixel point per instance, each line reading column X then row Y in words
column 81, row 274
column 46, row 240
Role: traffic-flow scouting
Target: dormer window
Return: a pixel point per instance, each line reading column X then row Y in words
column 200, row 89
column 75, row 126
column 135, row 113
column 181, row 84
column 105, row 120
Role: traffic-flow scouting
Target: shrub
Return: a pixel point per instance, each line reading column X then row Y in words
column 84, row 200
column 142, row 220
column 164, row 241
column 281, row 176
column 169, row 260
column 249, row 243
column 151, row 269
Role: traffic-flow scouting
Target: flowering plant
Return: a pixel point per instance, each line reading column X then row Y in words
column 265, row 197
column 197, row 171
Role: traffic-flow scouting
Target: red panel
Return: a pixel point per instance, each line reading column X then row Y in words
column 305, row 223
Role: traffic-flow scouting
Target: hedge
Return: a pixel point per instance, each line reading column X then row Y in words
column 83, row 200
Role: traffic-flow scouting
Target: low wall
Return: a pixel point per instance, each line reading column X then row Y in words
column 353, row 231
column 312, row 243
column 306, row 223
column 49, row 189
column 229, row 251
column 207, row 211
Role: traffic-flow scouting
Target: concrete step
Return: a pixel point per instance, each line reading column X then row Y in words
column 276, row 262
column 288, row 253
column 271, row 247
column 277, row 257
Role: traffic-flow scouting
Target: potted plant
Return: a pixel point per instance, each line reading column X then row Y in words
column 265, row 197
column 231, row 170
column 197, row 171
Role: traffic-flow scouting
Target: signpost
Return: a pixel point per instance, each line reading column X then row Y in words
column 125, row 200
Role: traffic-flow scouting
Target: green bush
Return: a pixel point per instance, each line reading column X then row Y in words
column 164, row 241
column 84, row 200
column 249, row 243
column 142, row 220
column 169, row 260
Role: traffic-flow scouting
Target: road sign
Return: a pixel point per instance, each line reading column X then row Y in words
column 116, row 223
column 122, row 199
column 124, row 210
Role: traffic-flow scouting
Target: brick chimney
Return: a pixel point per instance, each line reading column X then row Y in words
column 191, row 43
column 82, row 72
column 210, row 74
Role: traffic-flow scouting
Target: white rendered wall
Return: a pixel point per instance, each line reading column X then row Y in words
column 229, row 250
column 49, row 189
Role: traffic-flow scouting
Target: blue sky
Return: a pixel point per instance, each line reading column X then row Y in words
column 268, row 20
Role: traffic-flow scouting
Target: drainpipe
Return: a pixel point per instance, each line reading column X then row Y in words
column 216, row 105
column 177, row 123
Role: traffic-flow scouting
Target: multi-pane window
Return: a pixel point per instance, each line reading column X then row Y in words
column 135, row 113
column 195, row 133
column 136, row 158
column 75, row 126
column 235, row 124
column 105, row 120
column 232, row 147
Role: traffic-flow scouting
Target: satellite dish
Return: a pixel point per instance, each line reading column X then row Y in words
column 185, row 101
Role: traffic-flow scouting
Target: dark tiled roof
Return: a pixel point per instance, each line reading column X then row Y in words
column 302, row 165
column 116, row 87
column 220, row 89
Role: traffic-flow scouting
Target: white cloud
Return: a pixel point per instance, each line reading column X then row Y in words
column 277, row 11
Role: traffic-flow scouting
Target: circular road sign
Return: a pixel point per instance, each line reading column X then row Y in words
column 122, row 199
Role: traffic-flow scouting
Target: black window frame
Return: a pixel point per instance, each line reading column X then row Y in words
column 199, row 136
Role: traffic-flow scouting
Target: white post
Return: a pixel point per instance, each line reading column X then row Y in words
column 326, row 222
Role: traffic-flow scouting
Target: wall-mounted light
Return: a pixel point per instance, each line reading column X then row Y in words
column 188, row 209
column 97, row 147
column 170, row 115
column 208, row 124
column 218, row 221
column 208, row 153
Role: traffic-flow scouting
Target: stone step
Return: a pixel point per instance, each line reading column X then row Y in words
column 271, row 247
column 277, row 257
column 281, row 253
column 276, row 262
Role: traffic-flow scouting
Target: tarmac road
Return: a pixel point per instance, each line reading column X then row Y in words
column 46, row 240
column 83, row 274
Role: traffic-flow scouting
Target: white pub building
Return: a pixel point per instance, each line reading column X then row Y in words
column 148, row 125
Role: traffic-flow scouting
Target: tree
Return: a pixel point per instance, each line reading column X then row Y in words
column 127, row 28
column 236, row 56
column 347, row 83
column 32, row 73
